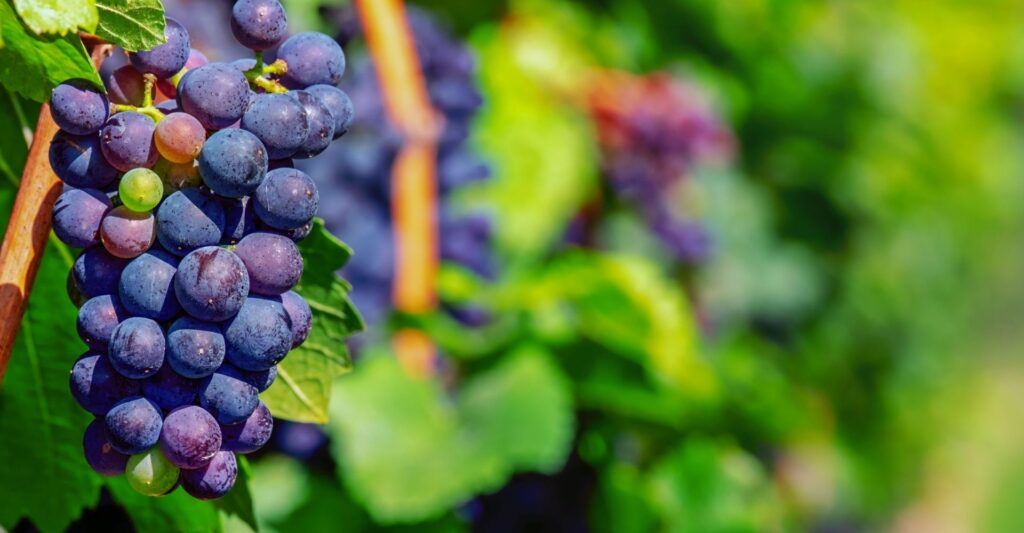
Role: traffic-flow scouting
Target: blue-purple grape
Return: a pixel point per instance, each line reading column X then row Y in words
column 260, row 335
column 188, row 220
column 287, row 199
column 213, row 480
column 190, row 437
column 216, row 94
column 262, row 379
column 280, row 122
column 96, row 386
column 239, row 219
column 137, row 347
column 251, row 434
column 228, row 396
column 133, row 425
column 78, row 216
column 166, row 59
column 101, row 456
column 233, row 163
column 211, row 284
column 146, row 286
column 300, row 314
column 75, row 294
column 195, row 349
column 168, row 388
column 78, row 107
column 126, row 86
column 321, row 125
column 273, row 262
column 259, row 24
column 78, row 161
column 127, row 141
column 96, row 272
column 338, row 104
column 97, row 319
column 313, row 59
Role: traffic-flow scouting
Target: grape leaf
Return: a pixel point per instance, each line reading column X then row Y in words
column 13, row 141
column 409, row 453
column 238, row 502
column 32, row 66
column 38, row 415
column 303, row 387
column 131, row 24
column 175, row 512
column 58, row 17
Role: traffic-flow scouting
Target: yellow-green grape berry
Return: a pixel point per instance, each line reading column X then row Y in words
column 151, row 473
column 140, row 190
column 176, row 177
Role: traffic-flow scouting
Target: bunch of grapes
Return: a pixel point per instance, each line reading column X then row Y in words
column 357, row 174
column 180, row 189
column 654, row 131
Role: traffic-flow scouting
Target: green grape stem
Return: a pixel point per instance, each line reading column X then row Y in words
column 147, row 108
column 261, row 76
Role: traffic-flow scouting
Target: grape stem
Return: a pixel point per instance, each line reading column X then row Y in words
column 29, row 226
column 260, row 75
column 414, row 182
column 147, row 107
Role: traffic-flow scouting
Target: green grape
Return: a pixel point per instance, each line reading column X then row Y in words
column 141, row 190
column 150, row 473
column 176, row 177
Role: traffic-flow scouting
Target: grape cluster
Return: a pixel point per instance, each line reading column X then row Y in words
column 181, row 190
column 356, row 174
column 654, row 131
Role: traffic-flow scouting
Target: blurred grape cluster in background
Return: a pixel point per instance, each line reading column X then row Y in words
column 707, row 266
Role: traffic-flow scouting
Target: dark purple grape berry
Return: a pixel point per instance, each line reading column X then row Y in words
column 300, row 314
column 78, row 107
column 168, row 389
column 97, row 386
column 260, row 336
column 146, row 286
column 251, row 434
column 101, row 456
column 211, row 284
column 338, row 104
column 239, row 219
column 228, row 396
column 137, row 347
column 287, row 199
column 216, row 94
column 78, row 216
column 133, row 425
column 96, row 272
column 273, row 262
column 78, row 161
column 280, row 122
column 233, row 163
column 188, row 220
column 213, row 480
column 313, row 59
column 98, row 318
column 167, row 59
column 195, row 349
column 190, row 437
column 321, row 125
column 127, row 141
column 259, row 24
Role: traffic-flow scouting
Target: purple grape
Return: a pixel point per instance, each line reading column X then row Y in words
column 97, row 319
column 213, row 480
column 259, row 24
column 146, row 286
column 233, row 163
column 251, row 434
column 96, row 272
column 78, row 216
column 313, row 59
column 296, row 235
column 79, row 162
column 273, row 262
column 228, row 396
column 96, row 386
column 239, row 219
column 188, row 220
column 262, row 379
column 196, row 59
column 300, row 314
column 260, row 336
column 127, row 141
column 338, row 104
column 195, row 349
column 211, row 284
column 216, row 94
column 190, row 437
column 321, row 125
column 287, row 199
column 133, row 425
column 75, row 294
column 78, row 107
column 101, row 456
column 127, row 234
column 137, row 348
column 280, row 122
column 126, row 86
column 168, row 106
column 168, row 389
column 167, row 59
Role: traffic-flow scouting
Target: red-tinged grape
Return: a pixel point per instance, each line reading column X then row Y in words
column 273, row 262
column 190, row 437
column 213, row 480
column 127, row 234
column 179, row 137
column 251, row 434
column 126, row 86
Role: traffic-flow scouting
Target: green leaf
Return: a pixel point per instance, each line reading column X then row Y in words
column 58, row 17
column 45, row 479
column 302, row 391
column 173, row 513
column 131, row 24
column 13, row 135
column 32, row 66
column 238, row 502
column 409, row 453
